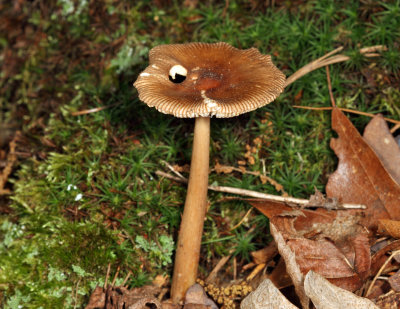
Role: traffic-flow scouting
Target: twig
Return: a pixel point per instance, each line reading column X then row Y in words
column 242, row 220
column 76, row 293
column 256, row 271
column 107, row 275
column 94, row 110
column 396, row 127
column 327, row 59
column 115, row 276
column 290, row 201
column 380, row 271
column 172, row 169
column 328, row 77
column 234, row 268
column 211, row 277
column 126, row 278
column 264, row 178
column 328, row 108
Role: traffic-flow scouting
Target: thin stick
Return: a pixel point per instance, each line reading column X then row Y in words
column 242, row 220
column 396, row 127
column 94, row 110
column 191, row 230
column 380, row 271
column 328, row 77
column 220, row 264
column 234, row 270
column 325, row 60
column 172, row 169
column 126, row 278
column 107, row 275
column 115, row 276
column 328, row 108
column 76, row 293
column 256, row 271
column 290, row 201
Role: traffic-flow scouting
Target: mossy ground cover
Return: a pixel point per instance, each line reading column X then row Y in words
column 85, row 193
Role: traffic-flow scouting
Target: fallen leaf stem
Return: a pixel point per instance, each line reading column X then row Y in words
column 290, row 201
column 329, row 108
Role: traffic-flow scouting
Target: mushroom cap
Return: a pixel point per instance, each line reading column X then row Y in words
column 220, row 81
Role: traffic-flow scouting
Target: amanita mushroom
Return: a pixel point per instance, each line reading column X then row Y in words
column 201, row 80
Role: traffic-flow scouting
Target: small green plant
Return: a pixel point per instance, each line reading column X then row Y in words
column 244, row 245
column 160, row 250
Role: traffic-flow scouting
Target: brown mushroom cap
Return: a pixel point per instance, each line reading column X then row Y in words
column 220, row 80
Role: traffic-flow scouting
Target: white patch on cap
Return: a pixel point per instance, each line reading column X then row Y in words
column 144, row 74
column 154, row 66
column 177, row 69
column 211, row 105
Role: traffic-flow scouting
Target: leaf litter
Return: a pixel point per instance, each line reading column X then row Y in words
column 343, row 246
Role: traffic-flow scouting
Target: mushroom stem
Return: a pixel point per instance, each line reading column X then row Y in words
column 190, row 234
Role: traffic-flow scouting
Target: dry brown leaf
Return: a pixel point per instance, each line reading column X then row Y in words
column 332, row 243
column 390, row 300
column 292, row 267
column 121, row 297
column 97, row 299
column 266, row 296
column 225, row 169
column 196, row 295
column 380, row 257
column 266, row 254
column 279, row 275
column 378, row 136
column 345, row 269
column 394, row 281
column 361, row 177
column 325, row 295
column 389, row 227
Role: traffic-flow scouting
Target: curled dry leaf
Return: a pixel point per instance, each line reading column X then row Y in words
column 292, row 267
column 266, row 296
column 380, row 139
column 361, row 177
column 325, row 295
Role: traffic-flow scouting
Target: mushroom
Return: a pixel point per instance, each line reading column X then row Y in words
column 201, row 80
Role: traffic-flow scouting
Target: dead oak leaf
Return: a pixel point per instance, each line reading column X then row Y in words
column 378, row 136
column 361, row 177
column 332, row 243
